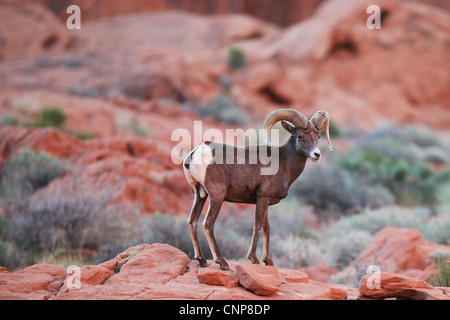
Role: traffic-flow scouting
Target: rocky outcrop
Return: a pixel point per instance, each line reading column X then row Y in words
column 40, row 31
column 37, row 282
column 160, row 271
column 282, row 13
column 391, row 285
column 330, row 59
column 261, row 280
column 401, row 251
column 135, row 168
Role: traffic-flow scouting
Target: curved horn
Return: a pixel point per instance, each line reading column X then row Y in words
column 321, row 121
column 291, row 115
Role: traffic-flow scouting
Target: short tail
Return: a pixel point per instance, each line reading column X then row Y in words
column 201, row 189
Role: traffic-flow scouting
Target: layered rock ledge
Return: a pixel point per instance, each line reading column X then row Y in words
column 161, row 271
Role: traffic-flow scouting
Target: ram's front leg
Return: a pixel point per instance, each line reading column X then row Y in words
column 266, row 233
column 261, row 210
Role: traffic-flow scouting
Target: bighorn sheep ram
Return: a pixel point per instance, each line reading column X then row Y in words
column 242, row 182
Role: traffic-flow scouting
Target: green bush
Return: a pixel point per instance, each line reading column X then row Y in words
column 385, row 167
column 52, row 116
column 28, row 172
column 236, row 58
column 390, row 157
column 85, row 135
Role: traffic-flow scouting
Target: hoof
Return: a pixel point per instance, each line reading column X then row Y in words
column 268, row 262
column 224, row 266
column 202, row 262
column 254, row 260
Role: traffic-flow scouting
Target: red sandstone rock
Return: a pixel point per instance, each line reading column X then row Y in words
column 401, row 250
column 212, row 275
column 261, row 280
column 401, row 287
column 293, row 276
column 319, row 272
column 284, row 13
column 37, row 282
column 160, row 271
column 40, row 31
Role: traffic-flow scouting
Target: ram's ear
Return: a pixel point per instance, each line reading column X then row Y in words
column 288, row 127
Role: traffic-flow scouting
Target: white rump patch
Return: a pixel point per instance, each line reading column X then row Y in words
column 201, row 158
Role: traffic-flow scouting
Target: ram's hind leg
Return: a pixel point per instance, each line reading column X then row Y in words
column 215, row 203
column 196, row 211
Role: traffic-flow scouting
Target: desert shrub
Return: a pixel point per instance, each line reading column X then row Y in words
column 233, row 232
column 223, row 109
column 289, row 251
column 333, row 191
column 441, row 277
column 339, row 242
column 166, row 228
column 291, row 234
column 85, row 135
column 290, row 217
column 52, row 116
column 233, row 245
column 8, row 120
column 236, row 58
column 419, row 136
column 333, row 247
column 375, row 220
column 28, row 171
column 343, row 248
column 388, row 166
column 64, row 223
column 389, row 157
column 437, row 229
